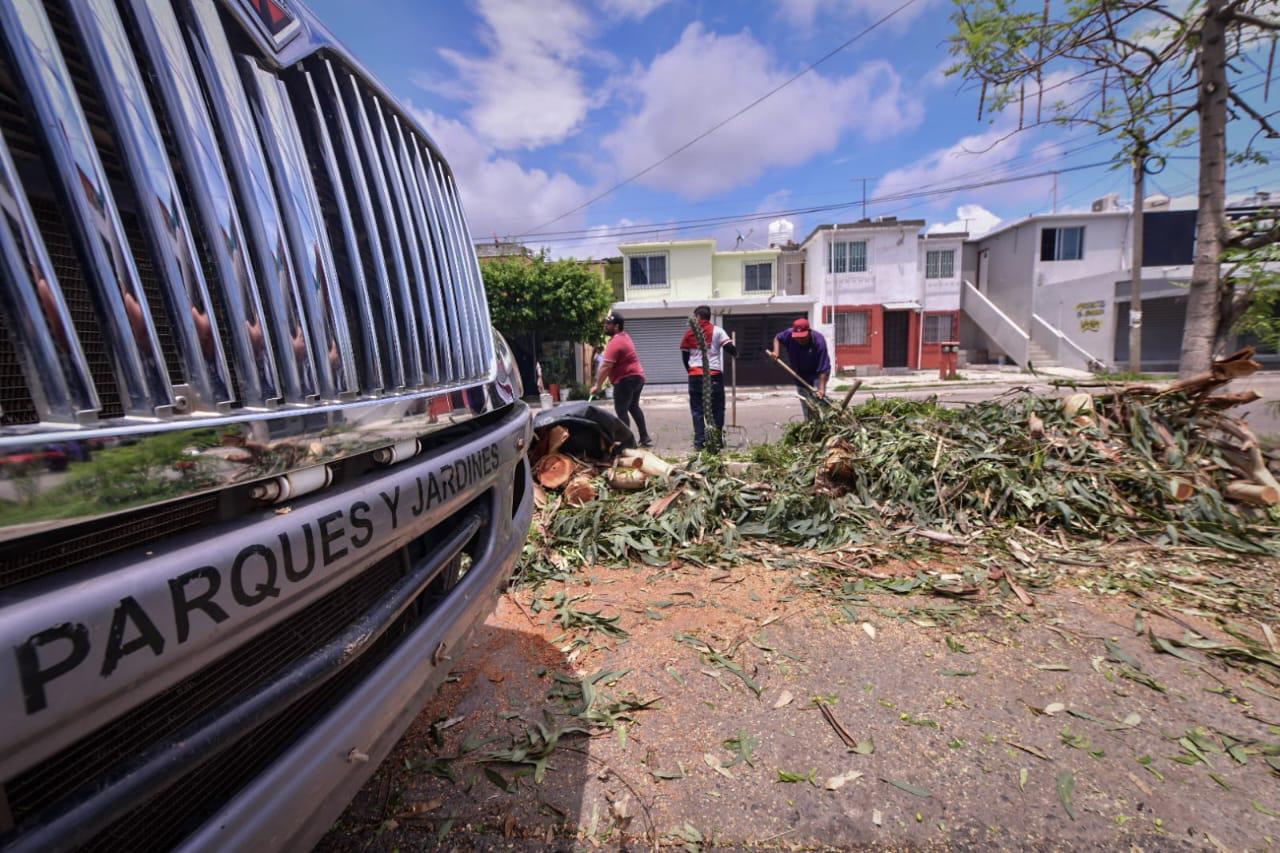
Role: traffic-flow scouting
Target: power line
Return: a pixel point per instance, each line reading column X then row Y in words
column 1041, row 158
column 639, row 230
column 646, row 170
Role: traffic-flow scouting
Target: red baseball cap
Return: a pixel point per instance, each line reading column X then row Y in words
column 800, row 328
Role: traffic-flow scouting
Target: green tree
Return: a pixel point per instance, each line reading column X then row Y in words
column 1137, row 71
column 555, row 300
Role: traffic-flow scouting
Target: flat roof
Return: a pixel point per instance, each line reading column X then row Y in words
column 864, row 225
column 653, row 243
column 1050, row 217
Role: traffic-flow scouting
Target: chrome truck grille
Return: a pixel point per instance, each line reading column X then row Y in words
column 196, row 227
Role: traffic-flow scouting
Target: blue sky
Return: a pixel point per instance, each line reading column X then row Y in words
column 541, row 105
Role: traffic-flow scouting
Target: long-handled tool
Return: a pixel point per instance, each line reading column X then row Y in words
column 796, row 377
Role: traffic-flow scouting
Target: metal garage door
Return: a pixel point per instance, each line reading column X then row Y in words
column 1162, row 322
column 754, row 333
column 657, row 342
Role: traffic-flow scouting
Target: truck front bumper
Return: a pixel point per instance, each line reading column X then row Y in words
column 293, row 803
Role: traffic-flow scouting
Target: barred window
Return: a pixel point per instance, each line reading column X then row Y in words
column 648, row 270
column 757, row 278
column 853, row 328
column 939, row 328
column 940, row 263
column 848, row 256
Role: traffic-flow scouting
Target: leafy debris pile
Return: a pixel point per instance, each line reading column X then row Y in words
column 1133, row 464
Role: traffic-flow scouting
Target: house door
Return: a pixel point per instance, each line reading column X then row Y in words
column 984, row 267
column 897, row 332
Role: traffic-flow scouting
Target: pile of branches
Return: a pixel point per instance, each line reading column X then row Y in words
column 1162, row 466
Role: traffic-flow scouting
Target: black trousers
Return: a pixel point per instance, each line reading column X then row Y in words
column 626, row 401
column 695, row 407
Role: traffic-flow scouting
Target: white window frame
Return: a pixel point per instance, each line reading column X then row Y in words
column 934, row 266
column 847, row 317
column 745, row 288
column 666, row 266
column 845, row 256
column 1058, row 243
column 936, row 337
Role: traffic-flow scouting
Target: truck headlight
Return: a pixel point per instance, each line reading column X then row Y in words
column 507, row 381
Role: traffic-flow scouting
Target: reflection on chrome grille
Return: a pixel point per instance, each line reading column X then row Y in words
column 193, row 229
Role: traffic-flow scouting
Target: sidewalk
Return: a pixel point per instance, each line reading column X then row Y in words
column 919, row 380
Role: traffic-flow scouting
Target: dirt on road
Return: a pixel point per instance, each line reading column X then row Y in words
column 747, row 708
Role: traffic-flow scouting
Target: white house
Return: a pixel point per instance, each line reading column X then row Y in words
column 889, row 296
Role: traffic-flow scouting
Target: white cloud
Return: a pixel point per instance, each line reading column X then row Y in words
column 598, row 241
column 974, row 218
column 527, row 90
column 634, row 9
column 973, row 159
column 813, row 14
column 707, row 76
column 501, row 196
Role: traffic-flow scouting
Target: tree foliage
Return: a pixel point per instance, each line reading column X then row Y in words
column 1138, row 71
column 558, row 300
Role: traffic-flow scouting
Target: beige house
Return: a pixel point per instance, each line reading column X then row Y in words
column 748, row 291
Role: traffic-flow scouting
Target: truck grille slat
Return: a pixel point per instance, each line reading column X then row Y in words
column 448, row 258
column 421, row 310
column 313, row 259
column 411, row 351
column 334, row 200
column 370, row 254
column 225, row 230
column 49, row 380
column 91, row 209
column 269, row 243
column 172, row 264
column 222, row 234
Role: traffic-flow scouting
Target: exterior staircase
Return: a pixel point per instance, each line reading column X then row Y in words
column 1018, row 343
column 1039, row 357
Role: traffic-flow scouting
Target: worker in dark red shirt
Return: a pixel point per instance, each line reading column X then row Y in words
column 621, row 365
column 808, row 357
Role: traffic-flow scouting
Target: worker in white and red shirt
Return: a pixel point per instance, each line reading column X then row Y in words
column 718, row 342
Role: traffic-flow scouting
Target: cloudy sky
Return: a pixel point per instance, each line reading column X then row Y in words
column 540, row 105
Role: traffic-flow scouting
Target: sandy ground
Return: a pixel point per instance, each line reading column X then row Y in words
column 983, row 724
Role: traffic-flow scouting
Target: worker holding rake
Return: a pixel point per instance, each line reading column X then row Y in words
column 810, row 364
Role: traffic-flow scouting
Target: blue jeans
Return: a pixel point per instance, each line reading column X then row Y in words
column 695, row 406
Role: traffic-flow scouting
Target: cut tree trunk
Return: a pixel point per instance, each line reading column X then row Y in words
column 1205, row 295
column 580, row 490
column 1180, row 490
column 1252, row 493
column 554, row 470
column 626, row 479
column 557, row 437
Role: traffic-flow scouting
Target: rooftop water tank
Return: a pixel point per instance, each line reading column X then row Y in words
column 781, row 232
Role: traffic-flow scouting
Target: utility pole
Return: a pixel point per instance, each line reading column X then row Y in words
column 1055, row 192
column 1135, row 280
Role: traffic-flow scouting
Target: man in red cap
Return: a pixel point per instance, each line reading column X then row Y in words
column 807, row 356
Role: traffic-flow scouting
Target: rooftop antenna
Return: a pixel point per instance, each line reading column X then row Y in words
column 864, row 194
column 742, row 237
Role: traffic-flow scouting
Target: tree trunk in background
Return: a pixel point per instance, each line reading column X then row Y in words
column 1204, row 301
column 1135, row 282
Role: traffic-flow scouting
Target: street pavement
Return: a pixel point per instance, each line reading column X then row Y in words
column 763, row 415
